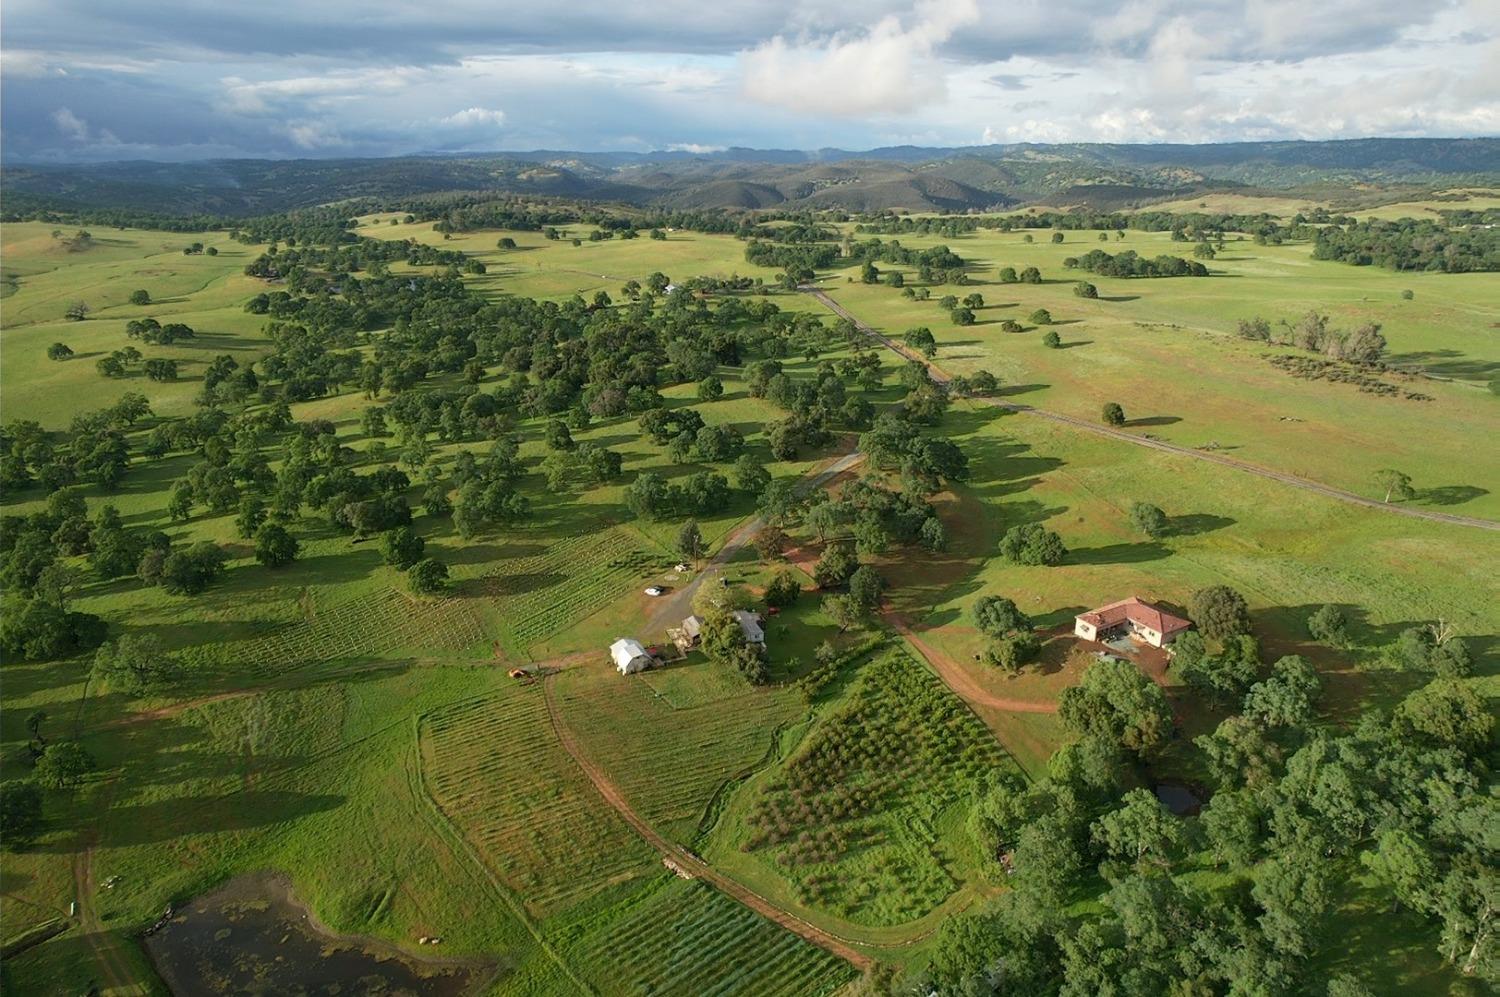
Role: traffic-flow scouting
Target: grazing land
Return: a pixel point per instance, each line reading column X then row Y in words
column 358, row 582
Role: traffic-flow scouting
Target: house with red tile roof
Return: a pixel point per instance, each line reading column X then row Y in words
column 1133, row 617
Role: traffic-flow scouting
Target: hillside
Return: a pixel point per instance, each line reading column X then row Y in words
column 899, row 178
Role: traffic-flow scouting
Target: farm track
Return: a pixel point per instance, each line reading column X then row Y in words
column 689, row 862
column 942, row 376
column 677, row 605
column 954, row 676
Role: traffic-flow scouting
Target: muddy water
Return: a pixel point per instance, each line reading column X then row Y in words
column 251, row 936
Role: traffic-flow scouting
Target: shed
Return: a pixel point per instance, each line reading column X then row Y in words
column 629, row 656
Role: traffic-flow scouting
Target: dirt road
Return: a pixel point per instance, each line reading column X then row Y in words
column 938, row 374
column 674, row 607
column 958, row 679
column 685, row 859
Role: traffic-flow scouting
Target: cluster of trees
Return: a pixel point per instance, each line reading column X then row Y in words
column 1410, row 244
column 1013, row 643
column 93, row 449
column 1032, row 544
column 1363, row 344
column 874, row 518
column 1131, row 264
column 149, row 330
column 1296, row 813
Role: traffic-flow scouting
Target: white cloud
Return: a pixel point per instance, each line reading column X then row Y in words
column 695, row 148
column 313, row 135
column 71, row 124
column 889, row 68
column 470, row 117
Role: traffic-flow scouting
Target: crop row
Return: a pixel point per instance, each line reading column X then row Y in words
column 688, row 939
column 495, row 768
column 370, row 625
column 572, row 579
column 670, row 761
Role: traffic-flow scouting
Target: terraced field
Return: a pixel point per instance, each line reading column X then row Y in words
column 687, row 939
column 494, row 768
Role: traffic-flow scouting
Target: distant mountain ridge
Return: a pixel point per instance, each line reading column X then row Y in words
column 912, row 178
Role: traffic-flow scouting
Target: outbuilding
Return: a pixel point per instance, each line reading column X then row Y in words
column 629, row 656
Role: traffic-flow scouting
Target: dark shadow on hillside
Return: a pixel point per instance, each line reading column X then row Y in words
column 1007, row 390
column 1447, row 363
column 1076, row 342
column 1154, row 420
column 167, row 820
column 1450, row 494
column 1119, row 297
column 484, row 553
column 1195, row 523
column 1124, row 553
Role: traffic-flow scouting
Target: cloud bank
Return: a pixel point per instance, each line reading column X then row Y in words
column 180, row 79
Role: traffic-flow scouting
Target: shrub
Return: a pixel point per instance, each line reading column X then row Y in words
column 783, row 590
column 1040, row 317
column 402, row 548
column 996, row 616
column 1052, row 340
column 63, row 765
column 1113, row 414
column 1013, row 652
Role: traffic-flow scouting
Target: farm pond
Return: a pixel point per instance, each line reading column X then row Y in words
column 252, row 936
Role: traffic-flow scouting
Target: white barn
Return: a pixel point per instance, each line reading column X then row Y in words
column 629, row 656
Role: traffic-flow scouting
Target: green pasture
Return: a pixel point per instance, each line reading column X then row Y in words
column 1288, row 551
column 205, row 292
column 1165, row 349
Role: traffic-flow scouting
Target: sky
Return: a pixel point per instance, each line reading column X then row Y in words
column 85, row 80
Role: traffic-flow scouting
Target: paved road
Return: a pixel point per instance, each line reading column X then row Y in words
column 938, row 374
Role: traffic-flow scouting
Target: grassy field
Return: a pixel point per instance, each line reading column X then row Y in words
column 205, row 292
column 370, row 744
column 1165, row 350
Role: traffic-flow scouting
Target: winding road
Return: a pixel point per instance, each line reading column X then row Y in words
column 940, row 375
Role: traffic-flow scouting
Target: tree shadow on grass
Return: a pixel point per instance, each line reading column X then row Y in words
column 1195, row 523
column 1450, row 494
column 1076, row 342
column 1008, row 390
column 1119, row 297
column 1154, row 420
column 167, row 820
column 1122, row 553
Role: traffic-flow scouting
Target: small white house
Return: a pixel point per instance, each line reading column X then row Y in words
column 629, row 656
column 750, row 627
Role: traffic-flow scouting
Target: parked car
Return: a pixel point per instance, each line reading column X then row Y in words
column 654, row 590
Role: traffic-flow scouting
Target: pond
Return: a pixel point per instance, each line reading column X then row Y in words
column 1180, row 798
column 252, row 936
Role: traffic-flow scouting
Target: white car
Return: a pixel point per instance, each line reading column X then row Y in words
column 655, row 590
